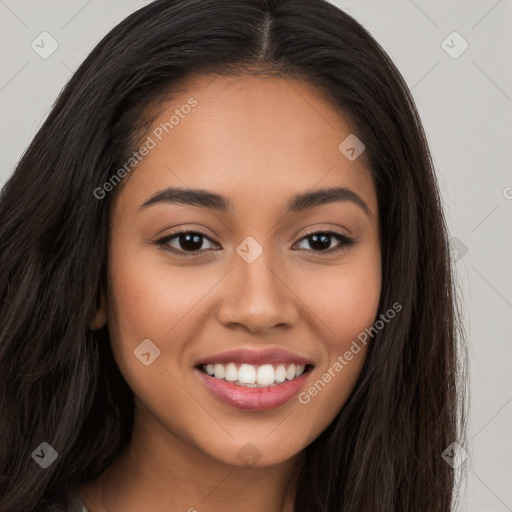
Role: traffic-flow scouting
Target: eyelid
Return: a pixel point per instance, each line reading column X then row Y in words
column 345, row 241
column 162, row 242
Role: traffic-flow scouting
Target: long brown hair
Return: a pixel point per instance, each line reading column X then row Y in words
column 58, row 379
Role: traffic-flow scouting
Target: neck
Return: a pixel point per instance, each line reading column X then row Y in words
column 159, row 471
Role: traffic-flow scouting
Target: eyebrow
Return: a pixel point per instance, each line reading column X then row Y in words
column 205, row 199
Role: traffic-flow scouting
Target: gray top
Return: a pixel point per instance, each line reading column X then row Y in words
column 75, row 504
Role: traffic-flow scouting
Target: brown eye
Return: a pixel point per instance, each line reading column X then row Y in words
column 184, row 242
column 321, row 241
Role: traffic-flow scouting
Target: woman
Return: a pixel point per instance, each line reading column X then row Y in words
column 225, row 276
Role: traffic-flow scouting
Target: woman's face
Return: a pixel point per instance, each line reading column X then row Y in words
column 266, row 284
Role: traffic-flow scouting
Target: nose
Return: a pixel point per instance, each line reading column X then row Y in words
column 257, row 298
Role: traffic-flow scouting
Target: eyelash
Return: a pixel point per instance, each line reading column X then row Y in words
column 345, row 242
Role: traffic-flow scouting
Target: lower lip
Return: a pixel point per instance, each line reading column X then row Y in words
column 255, row 399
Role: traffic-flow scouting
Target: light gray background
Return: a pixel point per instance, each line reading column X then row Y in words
column 466, row 106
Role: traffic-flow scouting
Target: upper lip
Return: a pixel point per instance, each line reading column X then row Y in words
column 254, row 357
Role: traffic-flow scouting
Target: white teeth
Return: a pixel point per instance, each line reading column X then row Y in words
column 280, row 373
column 290, row 373
column 265, row 375
column 248, row 375
column 231, row 372
column 219, row 371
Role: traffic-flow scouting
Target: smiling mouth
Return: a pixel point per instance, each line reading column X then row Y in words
column 255, row 376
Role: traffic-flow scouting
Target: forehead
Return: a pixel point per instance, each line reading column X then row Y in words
column 248, row 136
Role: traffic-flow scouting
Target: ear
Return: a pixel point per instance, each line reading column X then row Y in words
column 100, row 317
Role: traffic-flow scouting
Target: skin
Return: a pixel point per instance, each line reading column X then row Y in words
column 257, row 140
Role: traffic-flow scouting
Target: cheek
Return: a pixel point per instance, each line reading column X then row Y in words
column 152, row 298
column 344, row 297
column 344, row 302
